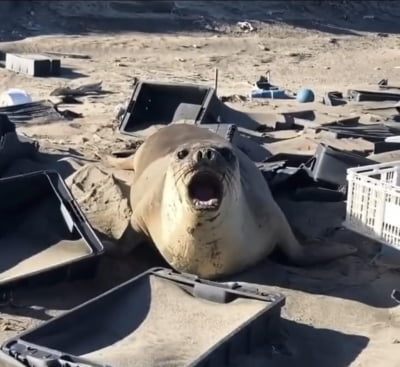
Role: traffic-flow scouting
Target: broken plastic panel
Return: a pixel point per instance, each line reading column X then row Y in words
column 45, row 237
column 39, row 111
column 373, row 132
column 157, row 316
column 365, row 95
column 383, row 147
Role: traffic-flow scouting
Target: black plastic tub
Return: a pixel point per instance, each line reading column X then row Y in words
column 329, row 165
column 158, row 318
column 164, row 103
column 44, row 236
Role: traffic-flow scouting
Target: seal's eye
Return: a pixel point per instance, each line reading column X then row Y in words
column 227, row 154
column 182, row 153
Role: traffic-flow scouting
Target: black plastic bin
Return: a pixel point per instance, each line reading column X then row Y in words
column 164, row 103
column 329, row 165
column 89, row 334
column 44, row 236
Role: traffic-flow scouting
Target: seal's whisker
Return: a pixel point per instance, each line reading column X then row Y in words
column 181, row 173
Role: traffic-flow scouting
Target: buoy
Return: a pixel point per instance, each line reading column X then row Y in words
column 305, row 95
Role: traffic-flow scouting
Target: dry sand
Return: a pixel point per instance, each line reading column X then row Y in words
column 339, row 314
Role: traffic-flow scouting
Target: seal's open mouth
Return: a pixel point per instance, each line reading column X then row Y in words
column 205, row 191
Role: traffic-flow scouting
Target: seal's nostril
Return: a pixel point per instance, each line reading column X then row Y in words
column 199, row 156
column 182, row 153
column 206, row 155
column 210, row 154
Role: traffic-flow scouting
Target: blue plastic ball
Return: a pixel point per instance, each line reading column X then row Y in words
column 305, row 95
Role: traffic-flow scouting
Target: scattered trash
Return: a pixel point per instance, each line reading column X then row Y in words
column 13, row 97
column 363, row 95
column 68, row 114
column 33, row 64
column 272, row 93
column 384, row 84
column 333, row 99
column 371, row 132
column 83, row 90
column 264, row 89
column 38, row 112
column 246, row 26
column 305, row 95
column 382, row 35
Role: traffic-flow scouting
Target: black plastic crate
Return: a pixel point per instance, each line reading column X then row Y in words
column 84, row 335
column 164, row 103
column 44, row 236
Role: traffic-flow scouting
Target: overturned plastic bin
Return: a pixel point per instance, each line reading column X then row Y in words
column 45, row 238
column 329, row 165
column 163, row 103
column 156, row 317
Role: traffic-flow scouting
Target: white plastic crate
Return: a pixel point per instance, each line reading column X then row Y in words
column 373, row 202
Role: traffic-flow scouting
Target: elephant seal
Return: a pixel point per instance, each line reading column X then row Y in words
column 206, row 206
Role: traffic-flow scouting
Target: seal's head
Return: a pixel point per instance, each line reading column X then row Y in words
column 206, row 175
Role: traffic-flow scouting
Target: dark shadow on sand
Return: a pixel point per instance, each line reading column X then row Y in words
column 304, row 345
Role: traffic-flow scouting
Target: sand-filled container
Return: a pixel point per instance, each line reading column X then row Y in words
column 44, row 236
column 159, row 318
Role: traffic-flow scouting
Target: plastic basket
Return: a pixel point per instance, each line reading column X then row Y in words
column 373, row 202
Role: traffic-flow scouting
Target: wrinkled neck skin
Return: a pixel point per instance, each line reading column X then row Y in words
column 200, row 242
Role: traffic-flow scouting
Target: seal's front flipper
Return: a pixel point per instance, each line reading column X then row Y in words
column 313, row 253
column 120, row 163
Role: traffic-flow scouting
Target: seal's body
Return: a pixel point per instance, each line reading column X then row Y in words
column 206, row 206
